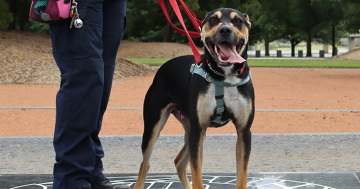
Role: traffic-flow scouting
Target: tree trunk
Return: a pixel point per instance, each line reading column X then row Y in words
column 334, row 51
column 267, row 49
column 12, row 8
column 22, row 26
column 168, row 29
column 292, row 48
column 308, row 43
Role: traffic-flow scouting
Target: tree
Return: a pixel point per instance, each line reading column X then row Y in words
column 274, row 21
column 6, row 16
column 334, row 26
column 308, row 14
column 352, row 15
column 329, row 33
column 145, row 20
column 168, row 29
column 304, row 17
column 150, row 24
column 12, row 9
column 22, row 13
column 295, row 37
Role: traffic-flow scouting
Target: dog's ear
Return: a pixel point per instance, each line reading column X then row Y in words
column 247, row 19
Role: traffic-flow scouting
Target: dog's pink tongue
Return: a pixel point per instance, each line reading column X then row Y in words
column 228, row 53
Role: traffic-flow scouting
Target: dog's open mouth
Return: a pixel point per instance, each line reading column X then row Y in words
column 226, row 53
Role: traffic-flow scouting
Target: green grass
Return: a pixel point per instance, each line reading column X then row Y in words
column 150, row 61
column 272, row 62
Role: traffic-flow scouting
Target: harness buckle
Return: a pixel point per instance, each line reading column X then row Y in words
column 206, row 77
column 192, row 68
column 219, row 110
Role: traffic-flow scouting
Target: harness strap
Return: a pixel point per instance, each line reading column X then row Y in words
column 198, row 70
column 220, row 106
column 219, row 89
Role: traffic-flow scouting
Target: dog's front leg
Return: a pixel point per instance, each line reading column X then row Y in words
column 196, row 140
column 201, row 110
column 243, row 148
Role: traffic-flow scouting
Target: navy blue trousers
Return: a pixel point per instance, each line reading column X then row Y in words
column 86, row 59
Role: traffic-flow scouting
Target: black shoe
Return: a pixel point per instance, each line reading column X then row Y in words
column 106, row 184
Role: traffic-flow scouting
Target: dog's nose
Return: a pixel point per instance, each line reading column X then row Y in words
column 225, row 30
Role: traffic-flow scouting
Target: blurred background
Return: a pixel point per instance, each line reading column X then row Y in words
column 287, row 25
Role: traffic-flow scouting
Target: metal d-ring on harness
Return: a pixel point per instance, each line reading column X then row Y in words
column 219, row 89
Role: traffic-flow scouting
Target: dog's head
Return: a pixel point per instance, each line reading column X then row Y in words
column 225, row 34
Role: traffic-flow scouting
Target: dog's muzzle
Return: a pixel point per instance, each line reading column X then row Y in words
column 226, row 53
column 225, row 46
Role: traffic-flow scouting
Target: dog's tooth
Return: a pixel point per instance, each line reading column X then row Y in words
column 220, row 59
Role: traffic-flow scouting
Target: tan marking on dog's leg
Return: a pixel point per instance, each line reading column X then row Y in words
column 196, row 165
column 145, row 165
column 242, row 158
column 181, row 161
column 241, row 163
column 243, row 116
column 205, row 108
column 206, row 105
column 140, row 182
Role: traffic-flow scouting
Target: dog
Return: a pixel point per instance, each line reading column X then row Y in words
column 191, row 93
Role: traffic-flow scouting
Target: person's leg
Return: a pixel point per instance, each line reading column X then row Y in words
column 113, row 28
column 78, row 53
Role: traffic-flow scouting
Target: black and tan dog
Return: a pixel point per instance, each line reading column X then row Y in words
column 191, row 94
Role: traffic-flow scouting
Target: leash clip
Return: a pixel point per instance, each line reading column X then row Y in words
column 200, row 34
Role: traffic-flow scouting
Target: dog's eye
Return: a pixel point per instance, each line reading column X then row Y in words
column 212, row 20
column 238, row 21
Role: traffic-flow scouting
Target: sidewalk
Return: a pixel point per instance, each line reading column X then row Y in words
column 270, row 153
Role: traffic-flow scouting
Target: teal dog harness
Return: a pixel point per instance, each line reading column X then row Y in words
column 219, row 89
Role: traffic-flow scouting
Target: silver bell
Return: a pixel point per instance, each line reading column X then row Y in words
column 78, row 23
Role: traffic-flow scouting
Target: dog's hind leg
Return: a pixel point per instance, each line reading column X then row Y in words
column 154, row 122
column 182, row 159
column 243, row 148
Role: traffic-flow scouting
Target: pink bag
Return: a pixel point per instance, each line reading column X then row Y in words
column 49, row 11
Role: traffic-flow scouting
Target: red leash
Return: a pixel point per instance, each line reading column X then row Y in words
column 196, row 22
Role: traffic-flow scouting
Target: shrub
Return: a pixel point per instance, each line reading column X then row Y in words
column 6, row 16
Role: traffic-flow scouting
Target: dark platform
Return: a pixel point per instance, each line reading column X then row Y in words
column 344, row 180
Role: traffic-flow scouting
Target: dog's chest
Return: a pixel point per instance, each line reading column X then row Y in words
column 234, row 102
